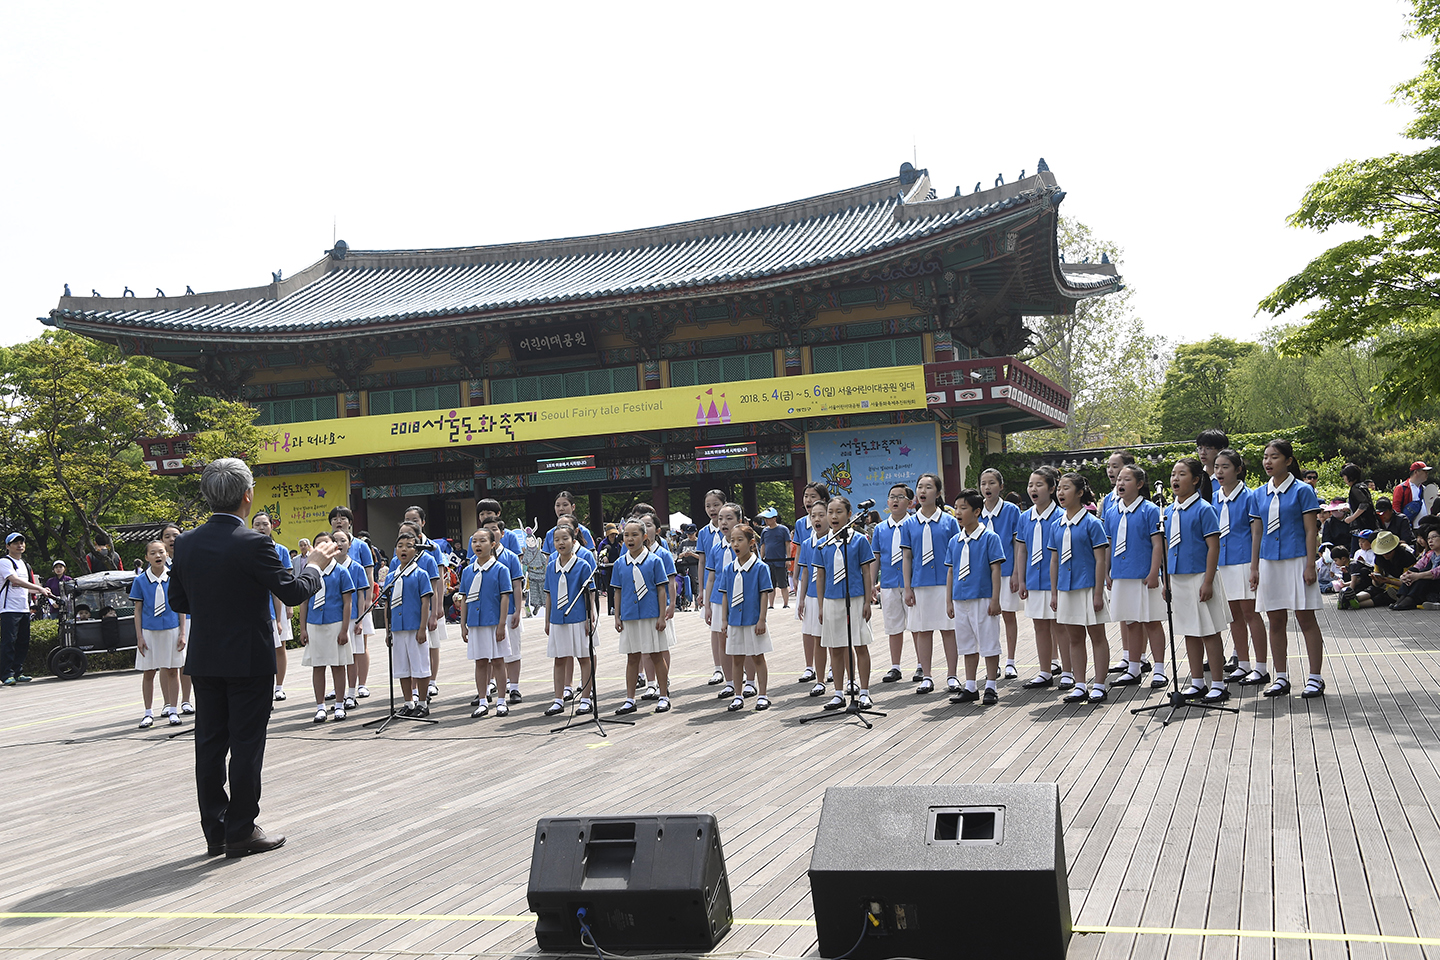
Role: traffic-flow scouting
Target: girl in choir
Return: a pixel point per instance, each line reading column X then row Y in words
column 565, row 507
column 1137, row 549
column 704, row 540
column 640, row 617
column 656, row 545
column 1238, row 533
column 325, row 633
column 890, row 589
column 845, row 568
column 973, row 571
column 720, row 554
column 168, row 533
column 1002, row 518
column 809, row 603
column 159, row 636
column 1116, row 462
column 1079, row 553
column 1031, row 577
column 483, row 600
column 569, row 619
column 744, row 584
column 1282, row 569
column 814, row 492
column 359, row 611
column 925, row 538
column 1197, row 596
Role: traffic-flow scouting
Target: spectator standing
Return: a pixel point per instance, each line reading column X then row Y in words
column 1409, row 497
column 775, row 551
column 1362, row 515
column 15, row 610
column 104, row 555
column 56, row 585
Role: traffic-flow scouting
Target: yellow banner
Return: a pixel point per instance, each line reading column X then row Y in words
column 745, row 401
column 299, row 505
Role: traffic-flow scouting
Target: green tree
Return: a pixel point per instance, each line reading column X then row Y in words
column 69, row 463
column 1102, row 355
column 1382, row 288
column 1197, row 388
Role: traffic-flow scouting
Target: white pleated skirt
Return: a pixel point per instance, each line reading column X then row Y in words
column 1077, row 607
column 513, row 636
column 640, row 636
column 833, row 630
column 1037, row 605
column 1191, row 617
column 161, row 653
column 744, row 642
column 437, row 636
column 567, row 640
column 1283, row 586
column 1133, row 602
column 481, row 644
column 929, row 612
column 325, row 648
column 1236, row 577
column 1010, row 601
column 975, row 630
column 810, row 623
column 357, row 638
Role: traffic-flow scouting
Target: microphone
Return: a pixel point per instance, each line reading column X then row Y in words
column 865, row 504
column 1159, row 486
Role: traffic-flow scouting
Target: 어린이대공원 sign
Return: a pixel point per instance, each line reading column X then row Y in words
column 299, row 505
column 744, row 401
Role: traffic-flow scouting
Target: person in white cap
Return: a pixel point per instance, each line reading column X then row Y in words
column 15, row 610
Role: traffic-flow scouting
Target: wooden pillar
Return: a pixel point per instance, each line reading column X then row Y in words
column 597, row 522
column 659, row 492
column 798, row 479
column 747, row 497
column 950, row 467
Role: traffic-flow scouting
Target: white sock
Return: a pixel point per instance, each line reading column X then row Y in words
column 148, row 713
column 1067, row 675
column 1282, row 676
column 1315, row 676
column 514, row 686
column 1097, row 685
column 894, row 666
column 1197, row 682
column 1080, row 686
column 989, row 684
column 1010, row 662
column 865, row 692
column 1217, row 685
column 320, row 706
column 970, row 685
column 1260, row 666
column 1160, row 670
column 1044, row 674
column 1244, row 665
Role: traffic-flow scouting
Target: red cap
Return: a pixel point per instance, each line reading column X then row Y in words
column 1419, row 465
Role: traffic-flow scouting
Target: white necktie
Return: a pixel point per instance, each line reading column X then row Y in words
column 638, row 578
column 319, row 603
column 838, row 564
column 476, row 583
column 896, row 553
column 1224, row 518
column 397, row 589
column 990, row 518
column 1272, row 521
column 1175, row 528
column 1065, row 540
column 963, row 570
column 927, row 543
column 1124, row 512
column 737, row 589
column 1037, row 545
column 562, row 586
column 159, row 591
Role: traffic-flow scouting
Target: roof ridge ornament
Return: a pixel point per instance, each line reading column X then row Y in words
column 338, row 251
column 1042, row 167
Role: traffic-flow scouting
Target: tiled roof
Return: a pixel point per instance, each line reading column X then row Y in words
column 745, row 251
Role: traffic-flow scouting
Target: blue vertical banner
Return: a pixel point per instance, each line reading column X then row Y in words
column 862, row 463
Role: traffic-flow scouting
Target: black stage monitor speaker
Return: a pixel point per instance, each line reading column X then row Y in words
column 649, row 881
column 972, row 869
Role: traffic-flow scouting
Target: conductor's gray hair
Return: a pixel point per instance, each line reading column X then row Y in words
column 224, row 482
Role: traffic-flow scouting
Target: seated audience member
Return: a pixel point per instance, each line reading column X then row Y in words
column 1421, row 583
column 1333, row 569
column 1395, row 522
column 1333, row 528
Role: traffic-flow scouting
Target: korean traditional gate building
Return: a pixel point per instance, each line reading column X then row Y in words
column 816, row 338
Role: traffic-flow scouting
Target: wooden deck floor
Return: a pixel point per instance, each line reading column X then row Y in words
column 1313, row 819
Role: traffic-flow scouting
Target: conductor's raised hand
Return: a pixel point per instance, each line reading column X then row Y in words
column 322, row 553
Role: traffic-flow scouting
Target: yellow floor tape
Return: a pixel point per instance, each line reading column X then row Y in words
column 504, row 918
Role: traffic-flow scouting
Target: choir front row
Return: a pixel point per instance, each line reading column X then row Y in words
column 1227, row 554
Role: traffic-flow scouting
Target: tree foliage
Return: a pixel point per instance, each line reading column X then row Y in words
column 1198, row 386
column 1102, row 355
column 1384, row 287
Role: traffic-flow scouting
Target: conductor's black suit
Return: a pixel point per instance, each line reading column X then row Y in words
column 223, row 576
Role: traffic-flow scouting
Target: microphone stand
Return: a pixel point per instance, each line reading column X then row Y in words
column 852, row 686
column 1174, row 700
column 395, row 713
column 588, row 588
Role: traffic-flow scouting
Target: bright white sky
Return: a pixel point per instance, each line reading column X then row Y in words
column 157, row 145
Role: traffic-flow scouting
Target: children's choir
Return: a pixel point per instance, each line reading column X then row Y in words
column 1214, row 553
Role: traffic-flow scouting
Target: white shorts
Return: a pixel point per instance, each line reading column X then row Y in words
column 1010, row 601
column 437, row 636
column 1283, row 586
column 640, row 636
column 744, row 642
column 810, row 623
column 1236, row 577
column 833, row 632
column 1133, row 602
column 1037, row 605
column 482, row 645
column 567, row 640
column 929, row 611
column 1191, row 617
column 1078, row 607
column 513, row 636
column 161, row 653
column 325, row 648
column 412, row 657
column 892, row 609
column 975, row 630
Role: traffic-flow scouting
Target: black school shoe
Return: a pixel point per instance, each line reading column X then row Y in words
column 1036, row 682
column 991, row 697
column 893, row 676
column 965, row 696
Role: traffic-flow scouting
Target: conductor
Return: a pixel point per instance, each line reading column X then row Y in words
column 223, row 576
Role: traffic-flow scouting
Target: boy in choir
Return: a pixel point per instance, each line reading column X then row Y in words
column 159, row 636
column 325, row 633
column 845, row 569
column 408, row 595
column 486, row 591
column 1208, row 446
column 974, row 572
column 890, row 592
column 745, row 585
column 925, row 538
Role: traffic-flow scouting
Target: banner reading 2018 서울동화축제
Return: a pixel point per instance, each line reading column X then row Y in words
column 863, row 462
column 880, row 390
